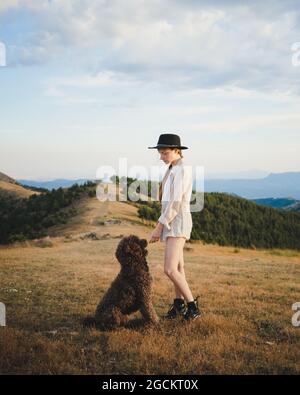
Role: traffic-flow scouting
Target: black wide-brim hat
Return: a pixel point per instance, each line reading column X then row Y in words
column 169, row 141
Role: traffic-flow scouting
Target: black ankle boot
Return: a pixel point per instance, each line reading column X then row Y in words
column 193, row 311
column 176, row 309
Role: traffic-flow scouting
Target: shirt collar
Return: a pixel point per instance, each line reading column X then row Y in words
column 179, row 162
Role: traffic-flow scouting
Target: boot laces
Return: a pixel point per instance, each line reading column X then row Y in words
column 194, row 306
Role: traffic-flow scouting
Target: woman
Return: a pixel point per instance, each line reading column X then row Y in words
column 175, row 223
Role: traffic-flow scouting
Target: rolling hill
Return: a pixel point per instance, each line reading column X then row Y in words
column 10, row 187
column 288, row 204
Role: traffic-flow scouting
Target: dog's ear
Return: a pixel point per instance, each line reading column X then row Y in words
column 144, row 243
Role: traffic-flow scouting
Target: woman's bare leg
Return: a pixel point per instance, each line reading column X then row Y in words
column 181, row 270
column 173, row 255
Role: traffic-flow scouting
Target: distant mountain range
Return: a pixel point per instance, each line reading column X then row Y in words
column 276, row 185
column 247, row 174
column 276, row 189
column 53, row 184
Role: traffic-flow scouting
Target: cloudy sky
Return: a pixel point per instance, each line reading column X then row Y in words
column 87, row 82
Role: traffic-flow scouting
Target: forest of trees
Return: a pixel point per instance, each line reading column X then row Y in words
column 29, row 218
column 230, row 220
column 225, row 219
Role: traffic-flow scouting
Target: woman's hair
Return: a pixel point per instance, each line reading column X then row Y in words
column 160, row 184
column 179, row 151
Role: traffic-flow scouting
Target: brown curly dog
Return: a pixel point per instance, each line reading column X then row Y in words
column 130, row 291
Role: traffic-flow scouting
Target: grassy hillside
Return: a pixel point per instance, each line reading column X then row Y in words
column 28, row 218
column 8, row 189
column 225, row 219
column 245, row 295
column 6, row 178
column 11, row 188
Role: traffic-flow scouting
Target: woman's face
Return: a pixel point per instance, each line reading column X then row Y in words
column 168, row 155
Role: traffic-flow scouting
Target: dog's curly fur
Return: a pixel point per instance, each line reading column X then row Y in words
column 131, row 289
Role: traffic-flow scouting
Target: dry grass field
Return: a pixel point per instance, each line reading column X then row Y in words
column 15, row 190
column 246, row 297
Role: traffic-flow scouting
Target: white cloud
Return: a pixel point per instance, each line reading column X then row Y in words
column 31, row 4
column 181, row 44
column 104, row 78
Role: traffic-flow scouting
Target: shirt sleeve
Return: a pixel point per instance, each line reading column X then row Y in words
column 178, row 187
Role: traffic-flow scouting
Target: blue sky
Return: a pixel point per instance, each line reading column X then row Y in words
column 88, row 82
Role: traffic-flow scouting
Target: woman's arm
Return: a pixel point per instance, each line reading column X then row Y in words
column 156, row 233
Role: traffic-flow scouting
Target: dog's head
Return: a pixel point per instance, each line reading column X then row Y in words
column 131, row 251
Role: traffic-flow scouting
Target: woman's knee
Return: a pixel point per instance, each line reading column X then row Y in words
column 173, row 256
column 170, row 271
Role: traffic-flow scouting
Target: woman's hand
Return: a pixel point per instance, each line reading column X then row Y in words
column 155, row 235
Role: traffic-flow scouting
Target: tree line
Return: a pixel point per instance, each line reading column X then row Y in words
column 229, row 220
column 29, row 218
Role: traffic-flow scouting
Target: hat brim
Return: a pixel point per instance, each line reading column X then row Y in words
column 169, row 146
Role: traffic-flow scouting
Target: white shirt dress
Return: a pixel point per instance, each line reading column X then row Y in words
column 176, row 195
